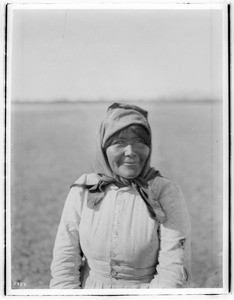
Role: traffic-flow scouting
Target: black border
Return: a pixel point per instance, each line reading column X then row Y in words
column 5, row 140
column 229, row 62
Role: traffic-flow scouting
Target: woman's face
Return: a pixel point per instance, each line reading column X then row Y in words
column 127, row 154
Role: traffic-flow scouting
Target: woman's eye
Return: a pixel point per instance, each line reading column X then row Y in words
column 118, row 142
column 122, row 143
column 139, row 141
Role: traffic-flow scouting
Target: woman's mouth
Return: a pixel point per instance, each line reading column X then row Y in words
column 130, row 162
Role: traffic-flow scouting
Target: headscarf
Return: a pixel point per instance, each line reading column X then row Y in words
column 119, row 116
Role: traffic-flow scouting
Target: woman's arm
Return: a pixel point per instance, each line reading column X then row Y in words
column 173, row 269
column 67, row 257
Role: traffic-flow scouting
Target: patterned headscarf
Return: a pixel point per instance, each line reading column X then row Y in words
column 120, row 116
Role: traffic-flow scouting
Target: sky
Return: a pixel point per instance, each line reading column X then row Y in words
column 92, row 54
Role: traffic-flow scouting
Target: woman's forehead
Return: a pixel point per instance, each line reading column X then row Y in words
column 126, row 133
column 131, row 132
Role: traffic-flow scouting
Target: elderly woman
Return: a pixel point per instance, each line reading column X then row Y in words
column 124, row 226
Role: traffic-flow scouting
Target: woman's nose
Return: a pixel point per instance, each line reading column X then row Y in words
column 129, row 150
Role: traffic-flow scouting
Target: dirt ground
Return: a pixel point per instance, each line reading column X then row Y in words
column 53, row 144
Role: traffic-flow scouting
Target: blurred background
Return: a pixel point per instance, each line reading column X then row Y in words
column 67, row 67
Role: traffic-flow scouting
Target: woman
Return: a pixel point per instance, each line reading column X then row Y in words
column 124, row 226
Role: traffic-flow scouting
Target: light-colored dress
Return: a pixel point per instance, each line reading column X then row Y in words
column 122, row 245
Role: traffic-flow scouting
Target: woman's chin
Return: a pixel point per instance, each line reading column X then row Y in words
column 129, row 174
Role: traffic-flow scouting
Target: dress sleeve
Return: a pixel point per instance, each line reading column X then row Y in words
column 67, row 256
column 173, row 268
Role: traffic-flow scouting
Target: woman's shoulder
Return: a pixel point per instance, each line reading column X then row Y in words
column 87, row 178
column 161, row 185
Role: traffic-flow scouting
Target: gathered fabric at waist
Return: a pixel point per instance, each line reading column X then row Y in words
column 104, row 274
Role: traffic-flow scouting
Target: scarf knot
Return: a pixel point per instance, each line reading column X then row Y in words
column 98, row 191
